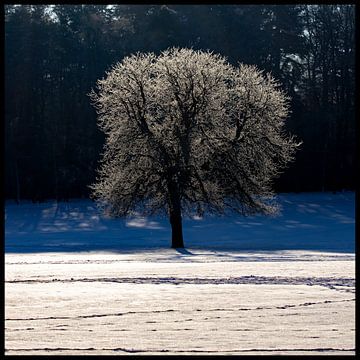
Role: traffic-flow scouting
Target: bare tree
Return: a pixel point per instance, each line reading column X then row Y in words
column 188, row 132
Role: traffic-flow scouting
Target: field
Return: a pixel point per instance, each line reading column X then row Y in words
column 78, row 283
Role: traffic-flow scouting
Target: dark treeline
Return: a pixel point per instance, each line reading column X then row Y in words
column 53, row 57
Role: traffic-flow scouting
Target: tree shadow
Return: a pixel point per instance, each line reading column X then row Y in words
column 184, row 251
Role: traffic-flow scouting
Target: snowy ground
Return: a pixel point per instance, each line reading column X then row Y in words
column 77, row 283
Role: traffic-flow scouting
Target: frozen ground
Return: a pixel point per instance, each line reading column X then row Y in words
column 77, row 283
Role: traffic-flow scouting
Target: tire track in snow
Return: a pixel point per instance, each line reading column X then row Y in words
column 182, row 351
column 345, row 284
column 182, row 311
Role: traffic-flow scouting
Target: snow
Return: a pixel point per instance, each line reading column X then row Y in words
column 79, row 283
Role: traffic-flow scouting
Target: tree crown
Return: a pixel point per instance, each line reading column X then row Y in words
column 188, row 128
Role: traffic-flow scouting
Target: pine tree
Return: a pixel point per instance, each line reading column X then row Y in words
column 186, row 131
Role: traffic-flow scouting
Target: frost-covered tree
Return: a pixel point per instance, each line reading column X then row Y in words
column 186, row 132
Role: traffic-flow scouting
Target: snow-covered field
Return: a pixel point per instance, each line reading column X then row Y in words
column 78, row 283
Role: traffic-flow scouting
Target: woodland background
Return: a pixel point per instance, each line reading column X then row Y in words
column 54, row 55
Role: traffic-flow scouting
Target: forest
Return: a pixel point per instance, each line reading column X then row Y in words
column 55, row 54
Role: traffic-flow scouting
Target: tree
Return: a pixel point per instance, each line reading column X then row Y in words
column 187, row 131
column 328, row 91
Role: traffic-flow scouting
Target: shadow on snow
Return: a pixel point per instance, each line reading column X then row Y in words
column 309, row 221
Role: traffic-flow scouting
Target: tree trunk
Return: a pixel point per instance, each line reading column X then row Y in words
column 17, row 182
column 175, row 218
column 176, row 230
